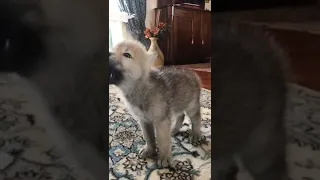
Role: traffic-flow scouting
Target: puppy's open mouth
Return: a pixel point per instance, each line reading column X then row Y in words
column 115, row 75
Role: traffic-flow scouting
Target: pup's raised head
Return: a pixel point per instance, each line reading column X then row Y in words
column 129, row 61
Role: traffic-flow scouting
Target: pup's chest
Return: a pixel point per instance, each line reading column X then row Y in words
column 137, row 111
column 135, row 106
column 134, row 109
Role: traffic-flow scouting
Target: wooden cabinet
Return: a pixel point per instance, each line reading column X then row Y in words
column 206, row 36
column 189, row 39
column 162, row 3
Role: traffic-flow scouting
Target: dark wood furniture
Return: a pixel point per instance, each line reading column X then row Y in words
column 297, row 30
column 162, row 3
column 189, row 38
column 301, row 42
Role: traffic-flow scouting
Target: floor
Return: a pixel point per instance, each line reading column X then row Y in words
column 191, row 160
column 204, row 72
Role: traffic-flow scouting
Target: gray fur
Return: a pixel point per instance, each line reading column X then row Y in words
column 158, row 98
column 72, row 75
column 172, row 91
column 248, row 96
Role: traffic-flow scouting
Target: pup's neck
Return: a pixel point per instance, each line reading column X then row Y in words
column 132, row 85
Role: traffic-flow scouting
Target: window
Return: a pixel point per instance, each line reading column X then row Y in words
column 117, row 30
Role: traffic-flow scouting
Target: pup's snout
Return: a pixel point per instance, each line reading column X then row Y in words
column 115, row 74
column 110, row 54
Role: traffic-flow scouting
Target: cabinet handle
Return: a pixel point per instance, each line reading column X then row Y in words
column 192, row 41
column 202, row 41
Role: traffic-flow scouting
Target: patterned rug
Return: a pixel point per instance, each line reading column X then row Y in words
column 32, row 145
column 125, row 141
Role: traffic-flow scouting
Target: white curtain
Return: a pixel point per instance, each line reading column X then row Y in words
column 150, row 14
column 117, row 29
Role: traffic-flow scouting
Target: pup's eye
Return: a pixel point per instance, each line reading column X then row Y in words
column 127, row 55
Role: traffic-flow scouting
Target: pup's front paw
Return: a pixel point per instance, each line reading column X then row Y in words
column 175, row 132
column 164, row 161
column 196, row 138
column 147, row 152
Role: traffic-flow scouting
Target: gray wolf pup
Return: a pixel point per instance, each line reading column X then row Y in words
column 61, row 47
column 158, row 98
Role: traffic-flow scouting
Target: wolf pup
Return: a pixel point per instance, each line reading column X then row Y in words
column 158, row 98
column 248, row 96
column 61, row 47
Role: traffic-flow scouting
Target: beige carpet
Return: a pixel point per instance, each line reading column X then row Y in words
column 125, row 141
column 303, row 126
column 33, row 147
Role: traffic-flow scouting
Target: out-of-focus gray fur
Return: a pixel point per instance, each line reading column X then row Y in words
column 158, row 98
column 248, row 96
column 72, row 73
column 72, row 76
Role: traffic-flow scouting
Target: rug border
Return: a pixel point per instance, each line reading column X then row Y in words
column 206, row 89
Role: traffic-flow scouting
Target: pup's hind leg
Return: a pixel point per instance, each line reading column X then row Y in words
column 178, row 124
column 164, row 142
column 193, row 112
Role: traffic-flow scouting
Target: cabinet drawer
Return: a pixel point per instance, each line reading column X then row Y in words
column 183, row 13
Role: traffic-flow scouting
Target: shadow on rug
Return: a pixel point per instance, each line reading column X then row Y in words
column 126, row 139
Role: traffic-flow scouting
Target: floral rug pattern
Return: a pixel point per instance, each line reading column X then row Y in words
column 28, row 151
column 126, row 139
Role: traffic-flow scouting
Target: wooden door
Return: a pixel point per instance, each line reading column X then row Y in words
column 197, row 37
column 206, row 35
column 183, row 38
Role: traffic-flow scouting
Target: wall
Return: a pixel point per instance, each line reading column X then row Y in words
column 151, row 4
column 207, row 6
column 150, row 15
